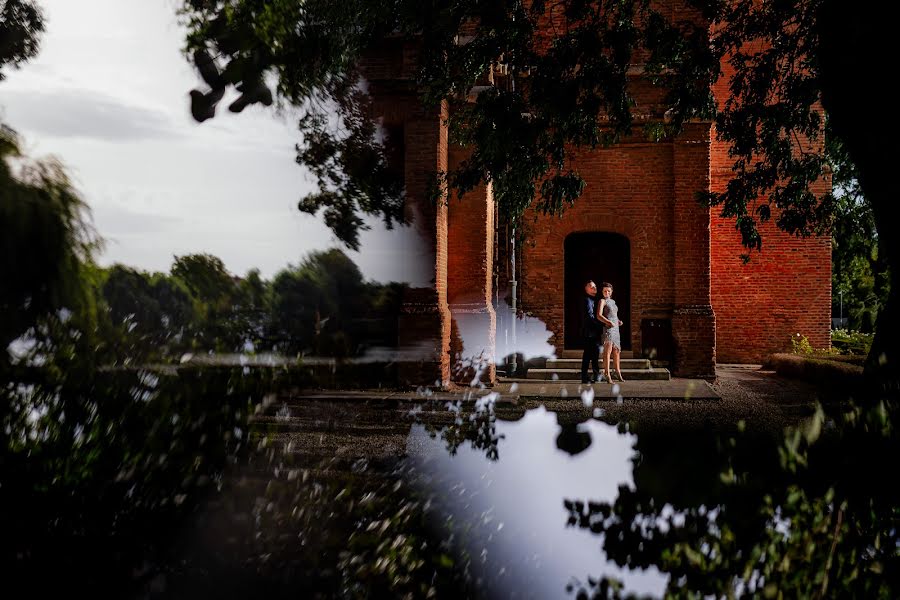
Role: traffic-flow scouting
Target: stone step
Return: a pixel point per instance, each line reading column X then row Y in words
column 575, row 374
column 577, row 354
column 575, row 363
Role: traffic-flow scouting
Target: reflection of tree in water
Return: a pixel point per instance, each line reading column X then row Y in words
column 818, row 518
column 473, row 420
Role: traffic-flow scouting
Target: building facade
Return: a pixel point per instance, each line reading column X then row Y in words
column 683, row 291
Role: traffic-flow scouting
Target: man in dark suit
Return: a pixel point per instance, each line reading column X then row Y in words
column 590, row 332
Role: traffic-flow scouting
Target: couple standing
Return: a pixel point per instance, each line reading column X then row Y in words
column 600, row 327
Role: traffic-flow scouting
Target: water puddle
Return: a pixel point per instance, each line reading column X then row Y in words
column 505, row 503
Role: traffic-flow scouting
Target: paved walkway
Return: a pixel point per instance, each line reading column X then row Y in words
column 673, row 389
column 515, row 391
column 510, row 390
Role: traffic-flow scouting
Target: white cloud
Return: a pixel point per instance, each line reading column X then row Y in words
column 85, row 114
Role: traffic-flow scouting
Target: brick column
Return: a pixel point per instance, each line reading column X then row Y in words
column 693, row 319
column 424, row 320
column 469, row 281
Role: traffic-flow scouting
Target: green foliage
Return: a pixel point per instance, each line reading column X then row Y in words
column 228, row 312
column 851, row 342
column 771, row 117
column 46, row 244
column 574, row 94
column 101, row 468
column 324, row 307
column 205, row 276
column 860, row 274
column 21, row 25
column 818, row 520
column 835, row 376
column 312, row 48
column 149, row 314
column 800, row 344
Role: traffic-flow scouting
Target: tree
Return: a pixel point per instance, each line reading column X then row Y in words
column 849, row 78
column 47, row 245
column 222, row 318
column 205, row 276
column 21, row 25
column 860, row 275
column 809, row 517
column 151, row 312
column 314, row 305
column 573, row 92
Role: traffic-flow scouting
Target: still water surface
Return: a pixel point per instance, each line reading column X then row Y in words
column 519, row 540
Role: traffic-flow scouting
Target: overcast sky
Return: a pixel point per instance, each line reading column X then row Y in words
column 108, row 95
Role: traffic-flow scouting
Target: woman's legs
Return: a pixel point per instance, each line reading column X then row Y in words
column 607, row 347
column 616, row 353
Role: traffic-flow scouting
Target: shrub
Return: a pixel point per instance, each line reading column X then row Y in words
column 800, row 345
column 840, row 375
column 851, row 342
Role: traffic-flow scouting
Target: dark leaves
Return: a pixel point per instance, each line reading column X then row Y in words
column 21, row 25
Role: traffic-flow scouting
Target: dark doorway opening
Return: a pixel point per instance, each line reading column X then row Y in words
column 599, row 256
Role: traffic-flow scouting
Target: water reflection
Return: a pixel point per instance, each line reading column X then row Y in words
column 508, row 515
column 206, row 482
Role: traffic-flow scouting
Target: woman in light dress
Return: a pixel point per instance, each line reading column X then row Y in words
column 608, row 314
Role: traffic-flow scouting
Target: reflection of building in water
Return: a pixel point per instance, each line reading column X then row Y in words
column 682, row 289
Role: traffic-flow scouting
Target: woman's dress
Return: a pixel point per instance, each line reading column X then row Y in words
column 611, row 334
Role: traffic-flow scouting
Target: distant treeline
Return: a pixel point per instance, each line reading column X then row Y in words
column 322, row 307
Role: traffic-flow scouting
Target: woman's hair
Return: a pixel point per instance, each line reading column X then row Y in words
column 606, row 285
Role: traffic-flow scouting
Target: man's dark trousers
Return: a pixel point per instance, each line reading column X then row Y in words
column 592, row 355
column 590, row 328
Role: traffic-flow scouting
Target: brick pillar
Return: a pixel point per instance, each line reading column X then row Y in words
column 693, row 320
column 469, row 281
column 424, row 321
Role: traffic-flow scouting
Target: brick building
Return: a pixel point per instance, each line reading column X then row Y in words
column 682, row 289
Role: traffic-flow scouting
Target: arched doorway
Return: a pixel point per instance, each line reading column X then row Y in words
column 601, row 256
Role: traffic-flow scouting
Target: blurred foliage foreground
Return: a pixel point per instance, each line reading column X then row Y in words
column 205, row 482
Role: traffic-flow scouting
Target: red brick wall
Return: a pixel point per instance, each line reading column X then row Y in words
column 471, row 228
column 645, row 192
column 785, row 289
column 470, row 255
column 629, row 191
column 693, row 321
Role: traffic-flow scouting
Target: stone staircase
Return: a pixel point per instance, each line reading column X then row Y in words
column 568, row 368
